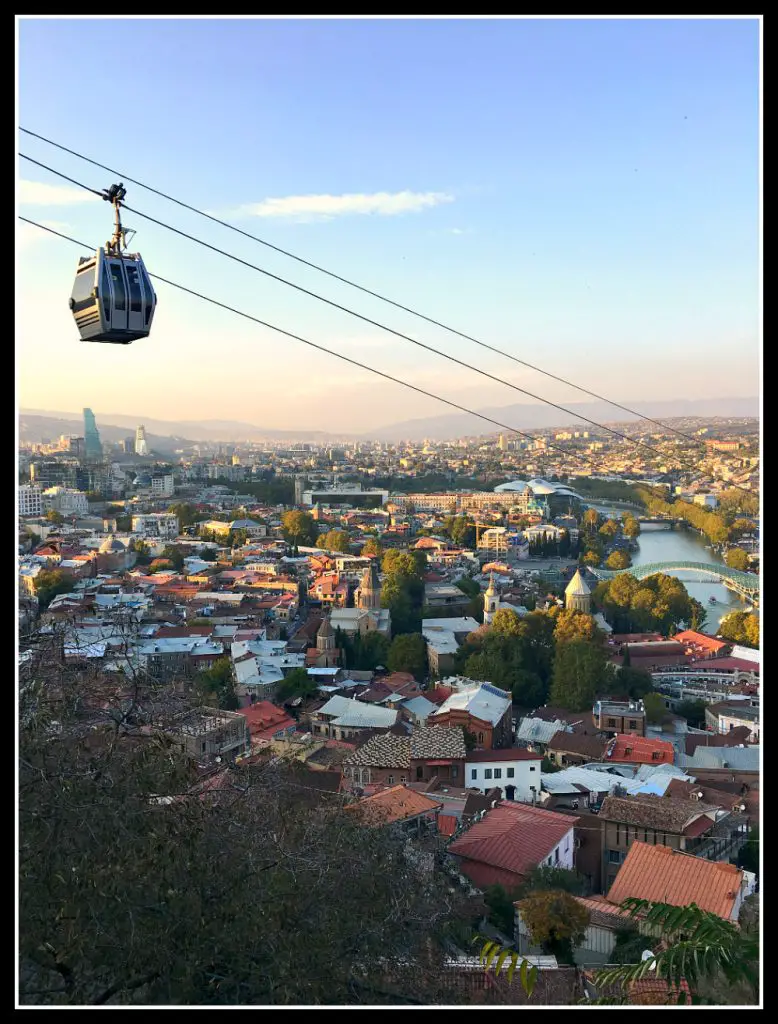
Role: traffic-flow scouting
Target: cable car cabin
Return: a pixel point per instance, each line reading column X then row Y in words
column 112, row 299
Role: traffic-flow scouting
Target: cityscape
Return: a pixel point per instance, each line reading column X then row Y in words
column 328, row 699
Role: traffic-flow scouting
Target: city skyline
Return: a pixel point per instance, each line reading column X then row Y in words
column 606, row 234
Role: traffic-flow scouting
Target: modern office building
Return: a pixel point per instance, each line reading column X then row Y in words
column 93, row 448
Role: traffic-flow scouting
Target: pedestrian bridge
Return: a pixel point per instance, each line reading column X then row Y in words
column 745, row 583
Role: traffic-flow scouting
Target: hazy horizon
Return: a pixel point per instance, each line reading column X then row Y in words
column 581, row 193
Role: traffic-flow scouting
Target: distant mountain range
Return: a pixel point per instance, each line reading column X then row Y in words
column 166, row 435
column 529, row 417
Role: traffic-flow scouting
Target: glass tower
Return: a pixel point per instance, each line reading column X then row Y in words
column 93, row 449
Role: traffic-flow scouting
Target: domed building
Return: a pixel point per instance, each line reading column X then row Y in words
column 112, row 555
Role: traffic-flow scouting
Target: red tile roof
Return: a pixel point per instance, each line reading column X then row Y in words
column 664, row 875
column 513, row 837
column 700, row 641
column 730, row 664
column 265, row 719
column 395, row 804
column 641, row 750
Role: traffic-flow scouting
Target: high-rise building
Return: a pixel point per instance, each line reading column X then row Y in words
column 129, row 445
column 93, row 449
column 141, row 445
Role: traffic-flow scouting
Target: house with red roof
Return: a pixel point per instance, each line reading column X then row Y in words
column 510, row 841
column 662, row 875
column 627, row 748
column 267, row 722
column 398, row 804
column 701, row 645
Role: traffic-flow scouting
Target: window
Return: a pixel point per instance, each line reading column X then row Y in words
column 498, row 773
column 487, row 773
column 82, row 289
column 403, row 778
column 474, row 773
column 628, row 750
column 655, row 755
column 419, row 772
column 633, row 725
column 136, row 305
column 556, row 855
column 454, row 771
column 390, row 780
column 119, row 291
column 480, row 737
column 509, row 773
column 614, row 856
column 531, row 768
column 611, row 721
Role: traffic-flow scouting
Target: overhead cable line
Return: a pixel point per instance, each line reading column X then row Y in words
column 368, row 291
column 373, row 323
column 344, row 358
column 323, row 348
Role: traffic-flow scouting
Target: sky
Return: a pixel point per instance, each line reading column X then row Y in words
column 583, row 193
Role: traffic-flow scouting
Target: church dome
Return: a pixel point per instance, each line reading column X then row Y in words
column 577, row 587
column 111, row 546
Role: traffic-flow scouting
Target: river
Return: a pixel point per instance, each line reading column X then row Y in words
column 658, row 544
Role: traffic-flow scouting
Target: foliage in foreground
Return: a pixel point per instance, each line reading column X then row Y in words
column 137, row 886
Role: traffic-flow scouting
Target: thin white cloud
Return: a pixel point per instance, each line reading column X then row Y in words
column 38, row 193
column 325, row 207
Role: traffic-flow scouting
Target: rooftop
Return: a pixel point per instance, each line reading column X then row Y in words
column 663, row 875
column 671, row 814
column 513, row 837
column 395, row 804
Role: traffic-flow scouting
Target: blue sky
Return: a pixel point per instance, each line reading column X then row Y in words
column 583, row 193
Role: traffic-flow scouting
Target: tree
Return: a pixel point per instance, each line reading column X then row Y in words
column 54, row 516
column 630, row 527
column 693, row 711
column 408, row 653
column 654, row 706
column 692, row 947
column 545, row 878
column 174, row 555
column 500, row 902
column 592, row 558
column 740, row 628
column 634, row 682
column 299, row 528
column 580, row 672
column 216, row 685
column 468, row 586
column 506, row 622
column 736, row 558
column 372, row 548
column 618, row 560
column 556, row 921
column 136, row 901
column 591, row 520
column 142, row 551
column 49, row 583
column 208, row 555
column 336, row 540
column 573, row 625
column 185, row 512
column 609, row 528
column 296, row 683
